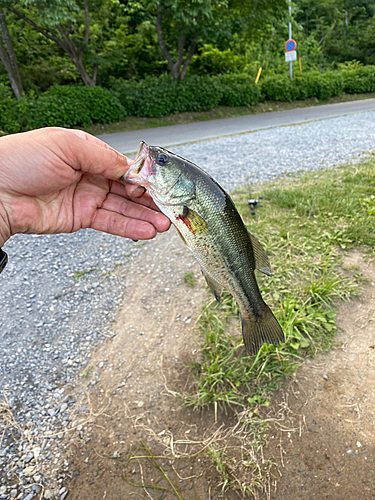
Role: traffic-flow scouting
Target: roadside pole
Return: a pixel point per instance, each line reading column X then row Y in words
column 290, row 46
column 290, row 38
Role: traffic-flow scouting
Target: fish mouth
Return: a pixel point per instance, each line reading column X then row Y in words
column 138, row 165
column 143, row 148
column 134, row 174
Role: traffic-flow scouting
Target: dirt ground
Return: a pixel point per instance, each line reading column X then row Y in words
column 324, row 442
column 321, row 424
column 127, row 397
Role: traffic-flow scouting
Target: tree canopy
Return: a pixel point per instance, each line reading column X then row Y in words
column 49, row 42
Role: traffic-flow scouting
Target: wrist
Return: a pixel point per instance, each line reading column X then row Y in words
column 4, row 226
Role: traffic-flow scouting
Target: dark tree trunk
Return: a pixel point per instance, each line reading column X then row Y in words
column 187, row 60
column 178, row 68
column 88, row 80
column 8, row 57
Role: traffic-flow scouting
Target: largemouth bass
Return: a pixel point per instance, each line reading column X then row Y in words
column 208, row 222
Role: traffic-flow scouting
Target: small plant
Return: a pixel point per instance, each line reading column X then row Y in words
column 78, row 274
column 190, row 279
column 86, row 372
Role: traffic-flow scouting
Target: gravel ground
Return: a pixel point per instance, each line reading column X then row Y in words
column 52, row 317
column 268, row 153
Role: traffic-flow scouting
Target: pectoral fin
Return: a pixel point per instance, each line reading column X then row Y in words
column 261, row 260
column 214, row 286
column 193, row 221
column 197, row 223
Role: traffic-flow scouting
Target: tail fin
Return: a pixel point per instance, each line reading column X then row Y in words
column 257, row 331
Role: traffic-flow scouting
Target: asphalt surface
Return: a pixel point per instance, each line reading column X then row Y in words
column 127, row 142
column 60, row 293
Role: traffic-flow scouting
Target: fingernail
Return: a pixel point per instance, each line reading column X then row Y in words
column 139, row 191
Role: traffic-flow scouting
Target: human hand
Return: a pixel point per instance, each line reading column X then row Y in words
column 56, row 180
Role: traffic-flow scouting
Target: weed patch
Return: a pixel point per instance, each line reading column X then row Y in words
column 307, row 224
column 190, row 279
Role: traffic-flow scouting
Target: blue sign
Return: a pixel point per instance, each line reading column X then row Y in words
column 290, row 45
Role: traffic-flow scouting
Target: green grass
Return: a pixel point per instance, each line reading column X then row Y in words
column 79, row 274
column 190, row 279
column 307, row 224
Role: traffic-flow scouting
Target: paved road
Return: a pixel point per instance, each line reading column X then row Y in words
column 127, row 142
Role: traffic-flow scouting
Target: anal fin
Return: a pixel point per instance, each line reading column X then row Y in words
column 214, row 286
column 261, row 260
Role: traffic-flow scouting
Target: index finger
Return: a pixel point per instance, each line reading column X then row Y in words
column 96, row 157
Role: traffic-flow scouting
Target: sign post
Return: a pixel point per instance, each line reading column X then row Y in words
column 290, row 54
column 290, row 38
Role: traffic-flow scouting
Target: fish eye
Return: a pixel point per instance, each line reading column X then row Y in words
column 162, row 159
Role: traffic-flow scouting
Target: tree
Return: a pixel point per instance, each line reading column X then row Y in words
column 66, row 23
column 184, row 22
column 338, row 27
column 184, row 26
column 8, row 56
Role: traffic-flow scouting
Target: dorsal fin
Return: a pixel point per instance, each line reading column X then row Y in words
column 261, row 260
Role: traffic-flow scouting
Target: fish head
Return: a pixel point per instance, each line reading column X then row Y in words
column 163, row 174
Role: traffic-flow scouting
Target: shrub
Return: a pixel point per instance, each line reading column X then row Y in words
column 212, row 61
column 277, row 88
column 322, row 86
column 161, row 96
column 359, row 79
column 69, row 106
column 125, row 91
column 197, row 93
column 9, row 113
column 238, row 90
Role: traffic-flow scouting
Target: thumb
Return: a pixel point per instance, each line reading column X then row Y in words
column 91, row 155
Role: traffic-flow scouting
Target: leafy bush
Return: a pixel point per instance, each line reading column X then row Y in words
column 212, row 61
column 69, row 106
column 197, row 93
column 154, row 96
column 358, row 79
column 238, row 90
column 161, row 96
column 322, row 86
column 276, row 88
column 9, row 113
column 126, row 93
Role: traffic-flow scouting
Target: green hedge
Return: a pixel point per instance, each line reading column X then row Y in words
column 238, row 90
column 359, row 80
column 322, row 86
column 61, row 106
column 161, row 96
column 71, row 106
